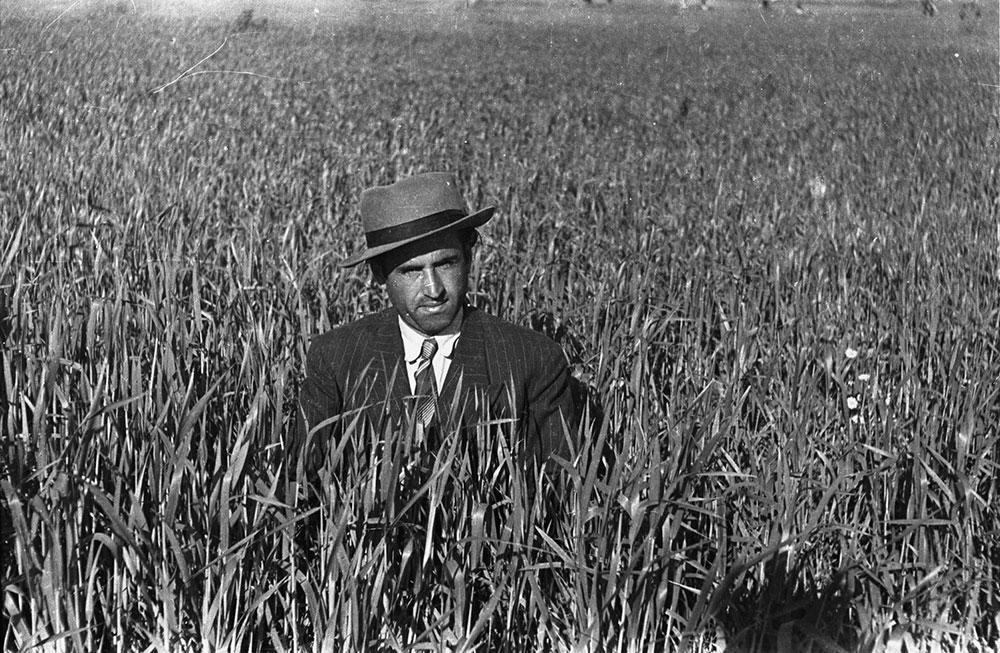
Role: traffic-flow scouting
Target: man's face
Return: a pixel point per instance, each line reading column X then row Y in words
column 427, row 281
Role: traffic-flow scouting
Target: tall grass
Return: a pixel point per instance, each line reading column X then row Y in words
column 776, row 278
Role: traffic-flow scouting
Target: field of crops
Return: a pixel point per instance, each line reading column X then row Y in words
column 769, row 244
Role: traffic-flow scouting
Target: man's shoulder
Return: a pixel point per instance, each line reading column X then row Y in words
column 500, row 330
column 350, row 334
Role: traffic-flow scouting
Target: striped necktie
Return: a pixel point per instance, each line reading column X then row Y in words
column 426, row 386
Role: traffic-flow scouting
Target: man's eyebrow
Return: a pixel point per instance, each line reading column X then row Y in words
column 410, row 266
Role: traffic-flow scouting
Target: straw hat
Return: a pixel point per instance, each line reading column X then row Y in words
column 410, row 209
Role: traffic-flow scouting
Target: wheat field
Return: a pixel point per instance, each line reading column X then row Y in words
column 768, row 242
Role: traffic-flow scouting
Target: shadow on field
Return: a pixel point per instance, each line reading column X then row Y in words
column 783, row 607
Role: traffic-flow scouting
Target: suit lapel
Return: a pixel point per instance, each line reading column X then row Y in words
column 387, row 347
column 469, row 364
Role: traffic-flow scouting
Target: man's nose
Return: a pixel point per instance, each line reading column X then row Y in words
column 432, row 284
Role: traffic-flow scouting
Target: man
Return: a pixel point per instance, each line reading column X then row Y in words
column 433, row 362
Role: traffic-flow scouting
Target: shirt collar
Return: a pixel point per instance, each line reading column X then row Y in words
column 413, row 340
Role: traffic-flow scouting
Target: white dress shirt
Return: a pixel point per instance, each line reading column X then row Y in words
column 413, row 340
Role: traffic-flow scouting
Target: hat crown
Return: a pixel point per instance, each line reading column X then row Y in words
column 410, row 199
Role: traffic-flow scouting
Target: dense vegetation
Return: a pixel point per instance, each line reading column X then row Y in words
column 768, row 243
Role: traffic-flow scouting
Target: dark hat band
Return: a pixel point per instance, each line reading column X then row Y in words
column 412, row 229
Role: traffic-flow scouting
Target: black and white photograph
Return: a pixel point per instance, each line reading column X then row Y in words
column 484, row 326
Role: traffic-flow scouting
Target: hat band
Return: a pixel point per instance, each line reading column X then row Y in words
column 412, row 229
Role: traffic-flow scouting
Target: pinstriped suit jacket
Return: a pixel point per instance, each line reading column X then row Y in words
column 520, row 374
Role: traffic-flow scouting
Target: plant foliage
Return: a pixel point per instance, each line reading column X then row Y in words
column 769, row 248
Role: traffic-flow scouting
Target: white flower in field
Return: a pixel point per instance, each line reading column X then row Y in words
column 864, row 378
column 852, row 403
column 962, row 439
column 817, row 187
column 851, row 353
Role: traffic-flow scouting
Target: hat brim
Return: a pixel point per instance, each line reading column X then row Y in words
column 470, row 221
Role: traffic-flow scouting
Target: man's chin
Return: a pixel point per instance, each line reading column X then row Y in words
column 432, row 323
column 431, row 328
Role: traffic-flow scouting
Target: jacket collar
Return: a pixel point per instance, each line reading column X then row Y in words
column 388, row 344
column 469, row 364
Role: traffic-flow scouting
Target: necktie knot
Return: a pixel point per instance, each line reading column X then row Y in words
column 428, row 349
